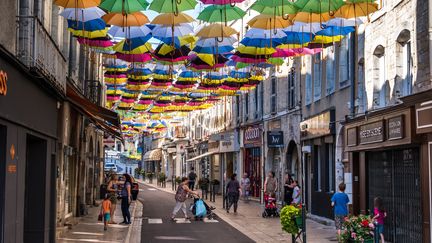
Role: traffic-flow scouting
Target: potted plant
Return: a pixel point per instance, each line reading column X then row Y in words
column 203, row 183
column 178, row 180
column 291, row 218
column 137, row 171
column 216, row 184
column 358, row 229
column 162, row 177
column 143, row 174
column 150, row 176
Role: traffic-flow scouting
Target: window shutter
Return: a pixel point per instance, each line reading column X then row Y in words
column 343, row 63
column 330, row 71
column 317, row 77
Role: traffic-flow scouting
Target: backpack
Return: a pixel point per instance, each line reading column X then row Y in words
column 180, row 194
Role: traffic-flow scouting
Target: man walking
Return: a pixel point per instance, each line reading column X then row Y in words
column 192, row 176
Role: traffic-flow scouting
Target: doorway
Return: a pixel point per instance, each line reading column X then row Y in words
column 3, row 149
column 35, row 189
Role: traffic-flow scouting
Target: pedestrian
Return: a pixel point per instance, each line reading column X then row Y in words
column 233, row 191
column 180, row 197
column 106, row 210
column 288, row 189
column 126, row 199
column 296, row 196
column 270, row 184
column 245, row 186
column 112, row 192
column 192, row 176
column 339, row 202
column 379, row 215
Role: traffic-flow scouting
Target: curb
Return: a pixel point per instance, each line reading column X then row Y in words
column 130, row 226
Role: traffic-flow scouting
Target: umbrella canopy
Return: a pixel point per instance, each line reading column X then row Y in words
column 163, row 31
column 77, row 3
column 264, row 34
column 124, row 6
column 82, row 14
column 221, row 2
column 164, row 6
column 304, row 27
column 342, row 22
column 336, row 30
column 129, row 32
column 306, row 17
column 91, row 25
column 298, row 37
column 124, row 46
column 356, row 8
column 213, row 49
column 221, row 13
column 210, row 42
column 274, row 7
column 216, row 30
column 318, row 6
column 268, row 22
column 252, row 50
column 124, row 20
column 172, row 19
column 97, row 42
column 89, row 34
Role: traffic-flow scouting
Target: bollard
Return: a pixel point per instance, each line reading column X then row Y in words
column 172, row 182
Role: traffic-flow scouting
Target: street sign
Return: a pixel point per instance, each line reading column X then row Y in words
column 275, row 139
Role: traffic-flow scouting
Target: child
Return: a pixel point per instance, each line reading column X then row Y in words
column 339, row 202
column 105, row 210
column 379, row 215
column 296, row 193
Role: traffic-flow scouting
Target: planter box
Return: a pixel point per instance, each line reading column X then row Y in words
column 299, row 222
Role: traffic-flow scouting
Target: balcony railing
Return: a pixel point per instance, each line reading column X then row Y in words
column 39, row 52
column 93, row 91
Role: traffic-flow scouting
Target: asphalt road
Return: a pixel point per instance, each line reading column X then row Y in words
column 157, row 226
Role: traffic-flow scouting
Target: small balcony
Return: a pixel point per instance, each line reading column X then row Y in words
column 93, row 91
column 38, row 51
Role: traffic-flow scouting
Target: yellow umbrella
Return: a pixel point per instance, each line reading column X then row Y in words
column 253, row 50
column 355, row 10
column 89, row 34
column 188, row 39
column 306, row 17
column 292, row 46
column 172, row 19
column 321, row 39
column 207, row 58
column 124, row 20
column 165, row 49
column 216, row 30
column 119, row 47
column 77, row 3
column 269, row 22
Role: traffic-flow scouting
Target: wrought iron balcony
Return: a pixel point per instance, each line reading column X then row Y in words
column 40, row 53
column 93, row 91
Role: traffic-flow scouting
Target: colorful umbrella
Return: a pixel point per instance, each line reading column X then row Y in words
column 82, row 14
column 318, row 6
column 216, row 30
column 222, row 2
column 213, row 49
column 97, row 42
column 172, row 6
column 124, row 47
column 221, row 13
column 77, row 3
column 129, row 32
column 91, row 25
column 210, row 42
column 172, row 19
column 268, row 22
column 166, row 31
column 124, row 20
column 124, row 6
column 356, row 8
column 89, row 34
column 274, row 7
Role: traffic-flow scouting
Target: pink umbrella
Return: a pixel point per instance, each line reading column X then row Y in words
column 104, row 43
column 178, row 59
column 306, row 51
column 134, row 57
column 183, row 86
column 126, row 100
column 115, row 76
column 221, row 2
column 284, row 53
column 247, row 60
column 113, row 98
column 207, row 67
column 145, row 102
column 161, row 84
column 226, row 87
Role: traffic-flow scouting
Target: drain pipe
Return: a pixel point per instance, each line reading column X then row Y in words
column 430, row 37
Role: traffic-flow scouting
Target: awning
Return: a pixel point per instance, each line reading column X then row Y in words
column 153, row 155
column 105, row 119
column 201, row 156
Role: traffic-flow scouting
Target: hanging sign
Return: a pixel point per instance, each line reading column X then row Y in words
column 3, row 83
column 275, row 139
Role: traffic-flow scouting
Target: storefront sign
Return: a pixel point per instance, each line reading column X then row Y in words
column 395, row 128
column 252, row 136
column 352, row 137
column 319, row 125
column 424, row 117
column 229, row 142
column 213, row 147
column 372, row 133
column 274, row 125
column 275, row 139
column 3, row 83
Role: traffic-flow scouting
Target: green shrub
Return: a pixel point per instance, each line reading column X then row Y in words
column 287, row 218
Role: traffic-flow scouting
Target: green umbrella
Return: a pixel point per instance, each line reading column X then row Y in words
column 172, row 6
column 124, row 6
column 221, row 13
column 274, row 7
column 318, row 6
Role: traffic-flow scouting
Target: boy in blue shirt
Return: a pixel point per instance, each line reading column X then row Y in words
column 340, row 201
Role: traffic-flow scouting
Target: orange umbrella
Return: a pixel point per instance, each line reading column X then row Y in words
column 124, row 20
column 77, row 3
column 171, row 18
column 216, row 30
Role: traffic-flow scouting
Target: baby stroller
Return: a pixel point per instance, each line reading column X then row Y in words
column 270, row 206
column 209, row 214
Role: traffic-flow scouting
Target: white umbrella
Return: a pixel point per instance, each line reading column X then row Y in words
column 208, row 42
column 164, row 31
column 129, row 32
column 304, row 27
column 342, row 22
column 83, row 14
column 255, row 33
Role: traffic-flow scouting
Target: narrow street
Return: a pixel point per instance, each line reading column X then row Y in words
column 157, row 226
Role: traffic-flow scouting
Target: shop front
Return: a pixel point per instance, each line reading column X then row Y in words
column 385, row 159
column 318, row 146
column 252, row 142
column 153, row 159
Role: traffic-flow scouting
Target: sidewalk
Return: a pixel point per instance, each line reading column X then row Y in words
column 89, row 229
column 249, row 221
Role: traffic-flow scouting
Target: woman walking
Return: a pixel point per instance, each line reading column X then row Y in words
column 233, row 191
column 270, row 184
column 288, row 189
column 126, row 199
column 180, row 197
column 245, row 186
column 112, row 190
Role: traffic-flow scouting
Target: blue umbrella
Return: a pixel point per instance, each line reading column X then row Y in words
column 189, row 74
column 133, row 43
column 91, row 25
column 336, row 30
column 213, row 50
column 298, row 37
column 262, row 42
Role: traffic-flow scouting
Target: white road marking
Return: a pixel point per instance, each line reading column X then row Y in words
column 177, row 238
column 151, row 189
column 206, row 220
column 155, row 221
column 182, row 221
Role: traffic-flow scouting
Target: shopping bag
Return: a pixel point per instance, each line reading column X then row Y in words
column 200, row 209
column 100, row 217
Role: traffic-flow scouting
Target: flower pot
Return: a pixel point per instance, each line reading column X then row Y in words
column 363, row 241
column 299, row 221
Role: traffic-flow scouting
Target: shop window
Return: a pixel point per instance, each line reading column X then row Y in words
column 330, row 71
column 379, row 78
column 403, row 79
column 308, row 79
column 344, row 52
column 291, row 89
column 317, row 77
